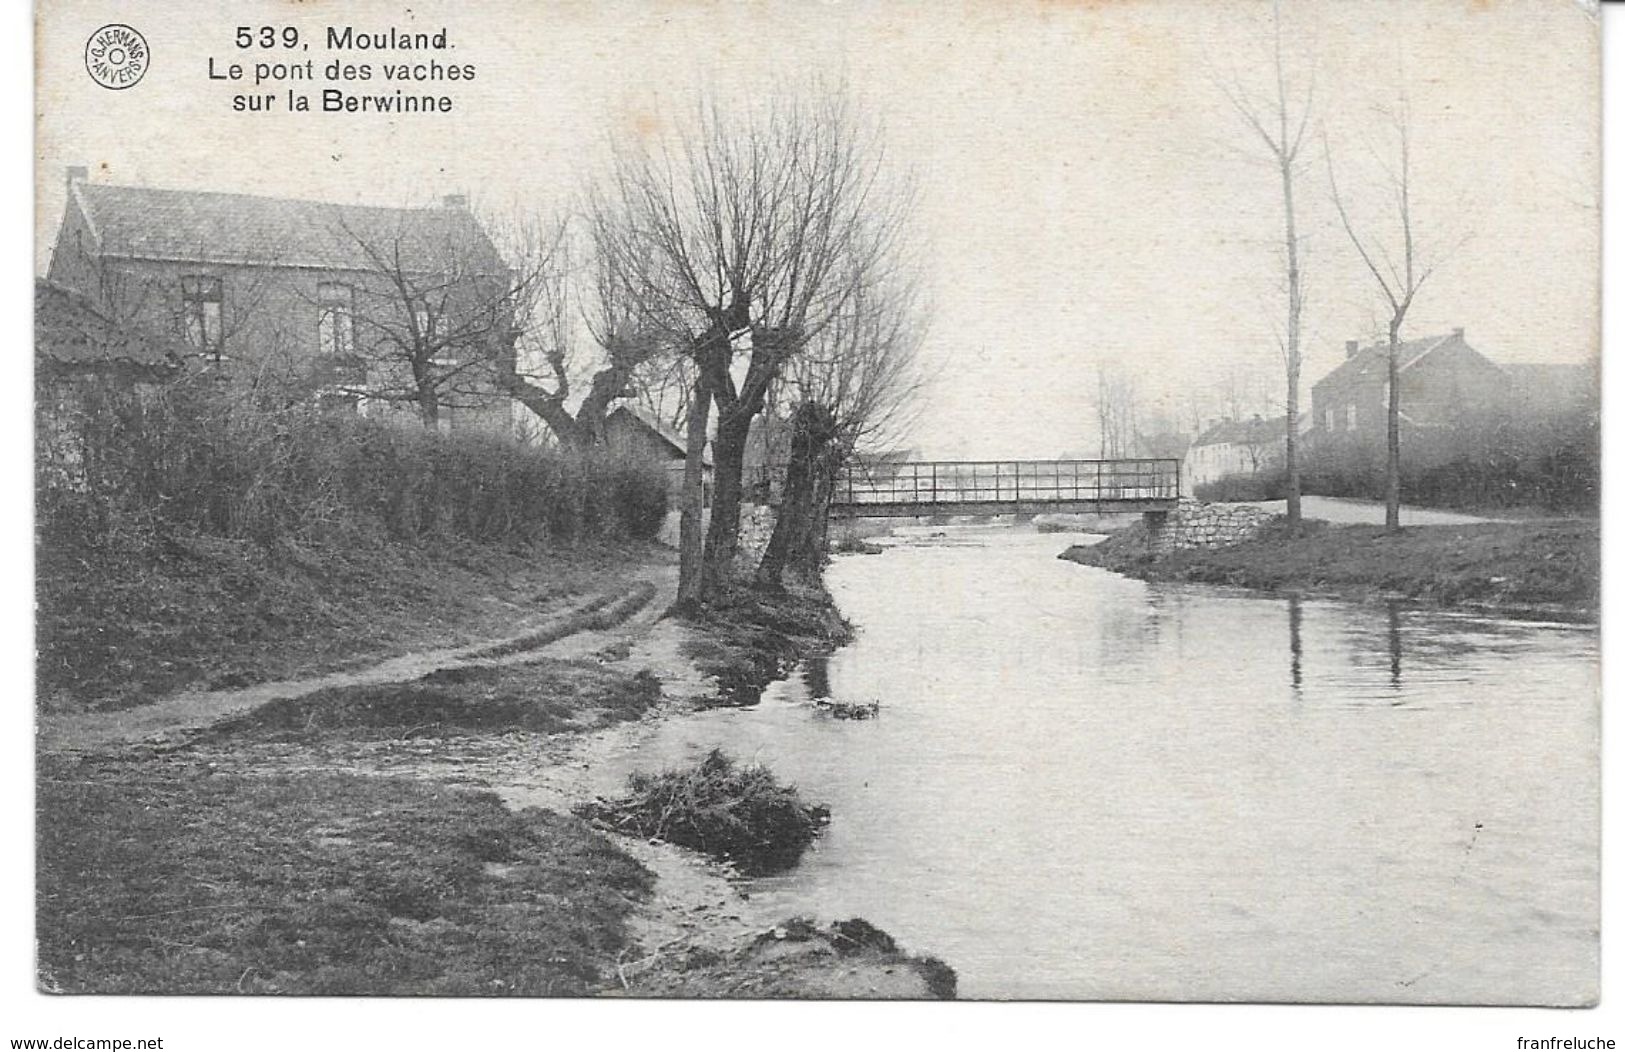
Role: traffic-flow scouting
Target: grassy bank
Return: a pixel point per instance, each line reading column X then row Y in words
column 171, row 877
column 542, row 696
column 1535, row 567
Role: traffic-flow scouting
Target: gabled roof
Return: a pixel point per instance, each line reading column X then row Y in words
column 1371, row 362
column 641, row 417
column 71, row 334
column 144, row 223
column 1243, row 432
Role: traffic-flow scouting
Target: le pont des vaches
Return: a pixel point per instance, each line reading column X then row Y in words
column 338, row 100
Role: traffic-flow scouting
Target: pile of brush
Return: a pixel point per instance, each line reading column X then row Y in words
column 849, row 710
column 740, row 813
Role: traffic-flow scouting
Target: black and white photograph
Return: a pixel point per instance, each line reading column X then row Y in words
column 858, row 501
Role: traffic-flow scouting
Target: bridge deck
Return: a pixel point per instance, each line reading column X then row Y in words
column 1005, row 487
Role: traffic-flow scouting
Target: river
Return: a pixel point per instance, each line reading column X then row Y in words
column 1085, row 786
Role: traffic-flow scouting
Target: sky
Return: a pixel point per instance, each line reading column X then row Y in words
column 1087, row 200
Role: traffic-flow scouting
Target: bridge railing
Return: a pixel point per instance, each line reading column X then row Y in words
column 1014, row 482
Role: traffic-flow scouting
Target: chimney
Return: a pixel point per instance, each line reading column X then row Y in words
column 77, row 173
column 1351, row 348
column 458, row 202
column 1458, row 332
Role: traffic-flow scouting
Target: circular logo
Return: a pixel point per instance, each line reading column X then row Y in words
column 116, row 56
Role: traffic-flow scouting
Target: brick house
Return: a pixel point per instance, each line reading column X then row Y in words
column 1443, row 382
column 380, row 310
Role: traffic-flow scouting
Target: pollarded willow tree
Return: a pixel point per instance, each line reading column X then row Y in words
column 744, row 235
column 854, row 387
column 576, row 323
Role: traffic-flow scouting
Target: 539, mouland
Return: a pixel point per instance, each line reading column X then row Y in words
column 348, row 38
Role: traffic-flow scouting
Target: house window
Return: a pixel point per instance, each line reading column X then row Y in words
column 1331, row 420
column 335, row 322
column 201, row 302
column 1350, row 418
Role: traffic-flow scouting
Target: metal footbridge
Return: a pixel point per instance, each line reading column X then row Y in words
column 1005, row 487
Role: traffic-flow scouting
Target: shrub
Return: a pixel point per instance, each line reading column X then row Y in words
column 740, row 813
column 1556, row 467
column 193, row 458
column 1264, row 486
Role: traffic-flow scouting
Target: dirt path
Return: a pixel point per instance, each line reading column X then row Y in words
column 1344, row 512
column 596, row 622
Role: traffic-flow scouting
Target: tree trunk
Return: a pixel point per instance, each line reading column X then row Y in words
column 798, row 537
column 1294, row 479
column 552, row 412
column 608, row 385
column 428, row 404
column 1391, row 518
column 544, row 403
column 690, row 543
column 728, row 467
column 1294, row 336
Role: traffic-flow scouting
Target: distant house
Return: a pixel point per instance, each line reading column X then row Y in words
column 326, row 298
column 1444, row 384
column 1443, row 381
column 1236, row 447
column 631, row 430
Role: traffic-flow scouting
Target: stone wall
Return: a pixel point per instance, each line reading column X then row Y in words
column 1194, row 524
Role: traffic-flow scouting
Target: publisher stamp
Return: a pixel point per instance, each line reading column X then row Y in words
column 116, row 56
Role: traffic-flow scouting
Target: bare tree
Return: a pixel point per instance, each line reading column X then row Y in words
column 1398, row 270
column 1280, row 122
column 425, row 321
column 1116, row 411
column 743, row 239
column 1258, row 441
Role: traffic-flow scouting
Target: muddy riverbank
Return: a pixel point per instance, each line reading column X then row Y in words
column 1543, row 569
column 415, row 832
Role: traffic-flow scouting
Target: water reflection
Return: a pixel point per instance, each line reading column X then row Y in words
column 1394, row 649
column 815, row 673
column 1294, row 621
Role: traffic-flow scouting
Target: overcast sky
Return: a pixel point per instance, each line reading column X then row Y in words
column 1083, row 198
